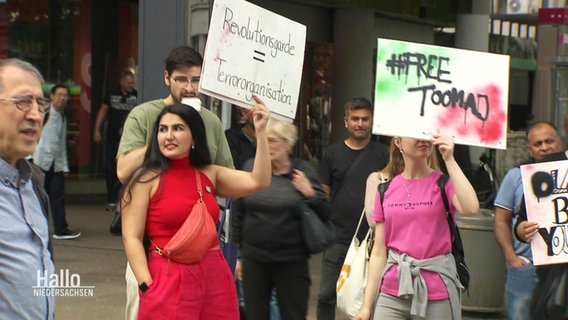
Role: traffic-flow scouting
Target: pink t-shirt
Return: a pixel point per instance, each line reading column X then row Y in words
column 416, row 226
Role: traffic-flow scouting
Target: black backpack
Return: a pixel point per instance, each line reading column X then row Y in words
column 457, row 246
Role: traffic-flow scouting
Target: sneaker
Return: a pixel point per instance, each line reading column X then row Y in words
column 116, row 224
column 66, row 235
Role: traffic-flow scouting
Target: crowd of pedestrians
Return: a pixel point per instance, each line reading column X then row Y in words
column 172, row 155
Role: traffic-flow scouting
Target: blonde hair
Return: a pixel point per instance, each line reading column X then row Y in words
column 396, row 161
column 284, row 130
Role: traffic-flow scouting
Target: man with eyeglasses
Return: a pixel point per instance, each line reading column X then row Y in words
column 51, row 156
column 182, row 74
column 25, row 258
column 542, row 139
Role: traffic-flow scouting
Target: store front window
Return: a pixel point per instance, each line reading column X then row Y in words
column 57, row 37
column 54, row 37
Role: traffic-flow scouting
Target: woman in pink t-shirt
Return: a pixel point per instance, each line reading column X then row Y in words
column 411, row 260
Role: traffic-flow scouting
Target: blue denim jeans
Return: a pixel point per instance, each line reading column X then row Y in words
column 518, row 291
column 273, row 303
column 274, row 311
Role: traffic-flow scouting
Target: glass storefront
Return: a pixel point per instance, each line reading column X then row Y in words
column 57, row 37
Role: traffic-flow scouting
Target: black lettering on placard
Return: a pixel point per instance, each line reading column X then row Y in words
column 556, row 240
column 256, row 35
column 542, row 184
column 435, row 67
column 453, row 98
column 560, row 210
column 428, row 66
column 262, row 90
column 555, row 237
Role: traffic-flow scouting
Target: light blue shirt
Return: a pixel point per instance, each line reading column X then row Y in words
column 24, row 239
column 51, row 148
column 509, row 197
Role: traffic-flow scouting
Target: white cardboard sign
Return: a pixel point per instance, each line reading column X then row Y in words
column 424, row 89
column 545, row 186
column 251, row 50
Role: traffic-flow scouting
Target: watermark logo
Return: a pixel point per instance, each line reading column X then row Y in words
column 62, row 284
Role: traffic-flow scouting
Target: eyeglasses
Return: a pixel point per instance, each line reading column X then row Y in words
column 185, row 81
column 26, row 103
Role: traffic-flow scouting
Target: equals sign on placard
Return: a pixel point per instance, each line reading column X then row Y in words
column 259, row 56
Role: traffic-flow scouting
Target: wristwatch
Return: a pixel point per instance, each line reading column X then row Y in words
column 144, row 287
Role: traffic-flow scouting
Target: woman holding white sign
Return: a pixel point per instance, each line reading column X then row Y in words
column 411, row 260
column 177, row 182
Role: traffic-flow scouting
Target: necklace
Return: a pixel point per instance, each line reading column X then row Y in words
column 406, row 188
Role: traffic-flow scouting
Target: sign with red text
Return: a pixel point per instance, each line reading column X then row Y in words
column 422, row 90
column 252, row 51
column 545, row 187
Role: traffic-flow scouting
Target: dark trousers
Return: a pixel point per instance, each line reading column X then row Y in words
column 55, row 188
column 291, row 281
column 330, row 269
column 112, row 183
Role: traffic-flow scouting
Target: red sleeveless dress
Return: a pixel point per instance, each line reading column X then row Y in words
column 203, row 290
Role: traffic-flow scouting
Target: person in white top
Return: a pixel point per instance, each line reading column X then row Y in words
column 51, row 156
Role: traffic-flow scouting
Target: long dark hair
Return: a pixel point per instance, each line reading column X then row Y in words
column 156, row 162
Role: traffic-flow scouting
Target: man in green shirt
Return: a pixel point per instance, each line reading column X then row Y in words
column 182, row 75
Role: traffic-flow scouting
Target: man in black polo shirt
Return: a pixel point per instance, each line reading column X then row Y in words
column 115, row 108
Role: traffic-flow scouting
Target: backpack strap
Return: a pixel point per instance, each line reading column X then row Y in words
column 382, row 188
column 457, row 245
column 441, row 182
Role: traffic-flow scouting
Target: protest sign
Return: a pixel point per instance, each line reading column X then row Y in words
column 423, row 90
column 251, row 50
column 545, row 187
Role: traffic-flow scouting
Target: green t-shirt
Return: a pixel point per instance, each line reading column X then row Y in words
column 137, row 131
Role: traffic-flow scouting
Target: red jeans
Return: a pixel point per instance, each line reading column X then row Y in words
column 203, row 290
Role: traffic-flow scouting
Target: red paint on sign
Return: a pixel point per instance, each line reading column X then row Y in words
column 465, row 124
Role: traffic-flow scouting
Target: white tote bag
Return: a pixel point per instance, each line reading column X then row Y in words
column 353, row 277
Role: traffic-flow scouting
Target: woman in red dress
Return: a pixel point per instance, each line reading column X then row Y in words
column 157, row 199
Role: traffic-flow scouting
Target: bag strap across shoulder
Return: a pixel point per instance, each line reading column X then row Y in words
column 359, row 224
column 354, row 165
column 442, row 180
column 198, row 186
column 382, row 188
column 457, row 244
column 199, row 201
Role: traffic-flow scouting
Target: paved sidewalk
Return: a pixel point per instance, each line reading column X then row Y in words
column 98, row 258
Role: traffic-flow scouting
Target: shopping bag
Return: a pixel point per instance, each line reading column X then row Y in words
column 316, row 232
column 229, row 248
column 352, row 280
